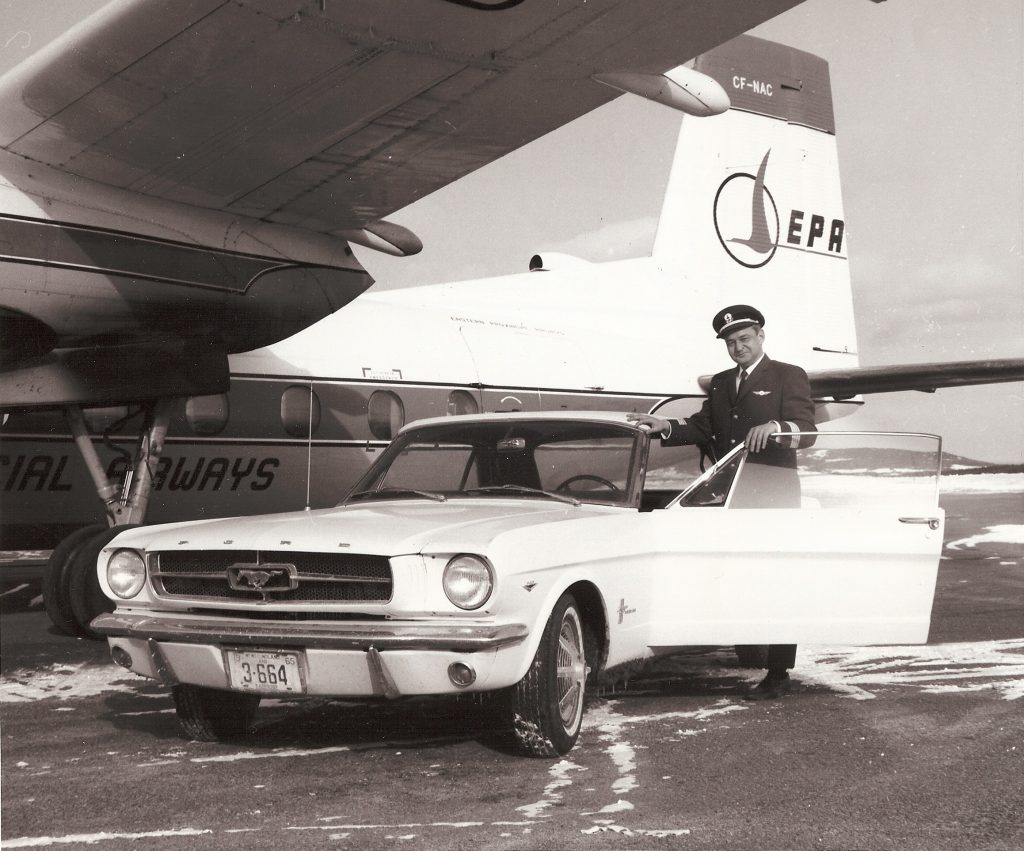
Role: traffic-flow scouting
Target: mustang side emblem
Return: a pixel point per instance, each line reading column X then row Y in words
column 265, row 578
column 624, row 609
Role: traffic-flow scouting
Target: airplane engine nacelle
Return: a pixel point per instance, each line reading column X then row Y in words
column 682, row 88
column 550, row 261
column 23, row 337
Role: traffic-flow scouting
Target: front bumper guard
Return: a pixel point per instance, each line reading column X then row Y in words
column 469, row 638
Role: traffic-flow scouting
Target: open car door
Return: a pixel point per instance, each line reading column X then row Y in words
column 842, row 549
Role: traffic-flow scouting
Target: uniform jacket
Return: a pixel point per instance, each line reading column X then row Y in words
column 774, row 391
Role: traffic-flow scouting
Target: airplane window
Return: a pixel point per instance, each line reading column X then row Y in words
column 386, row 414
column 462, row 402
column 300, row 411
column 207, row 414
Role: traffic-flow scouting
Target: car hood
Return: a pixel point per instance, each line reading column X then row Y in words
column 393, row 527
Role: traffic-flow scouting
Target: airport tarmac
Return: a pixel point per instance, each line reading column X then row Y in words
column 898, row 747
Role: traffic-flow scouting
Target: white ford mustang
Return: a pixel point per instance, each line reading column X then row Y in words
column 521, row 555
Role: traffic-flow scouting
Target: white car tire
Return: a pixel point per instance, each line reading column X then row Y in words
column 546, row 706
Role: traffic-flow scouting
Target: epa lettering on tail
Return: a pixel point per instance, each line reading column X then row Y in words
column 815, row 230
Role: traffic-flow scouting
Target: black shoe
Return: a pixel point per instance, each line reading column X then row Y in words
column 772, row 687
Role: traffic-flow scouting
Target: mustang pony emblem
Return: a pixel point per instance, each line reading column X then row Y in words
column 265, row 578
column 256, row 578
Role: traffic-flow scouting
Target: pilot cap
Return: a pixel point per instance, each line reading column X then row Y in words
column 734, row 318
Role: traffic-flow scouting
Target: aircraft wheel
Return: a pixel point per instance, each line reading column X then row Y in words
column 84, row 593
column 56, row 598
column 213, row 714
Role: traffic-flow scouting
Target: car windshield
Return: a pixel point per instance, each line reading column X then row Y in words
column 558, row 460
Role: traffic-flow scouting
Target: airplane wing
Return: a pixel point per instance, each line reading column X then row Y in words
column 187, row 176
column 840, row 384
column 927, row 377
column 329, row 115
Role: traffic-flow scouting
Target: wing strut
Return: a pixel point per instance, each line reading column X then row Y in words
column 71, row 587
column 128, row 503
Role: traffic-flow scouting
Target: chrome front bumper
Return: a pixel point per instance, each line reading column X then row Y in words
column 350, row 635
column 352, row 658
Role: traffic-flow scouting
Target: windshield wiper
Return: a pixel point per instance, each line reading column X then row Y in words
column 523, row 489
column 439, row 497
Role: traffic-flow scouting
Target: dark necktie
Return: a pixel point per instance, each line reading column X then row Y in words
column 743, row 380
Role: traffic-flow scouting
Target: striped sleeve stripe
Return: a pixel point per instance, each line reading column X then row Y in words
column 788, row 426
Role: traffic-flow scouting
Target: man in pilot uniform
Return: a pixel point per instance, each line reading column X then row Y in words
column 757, row 398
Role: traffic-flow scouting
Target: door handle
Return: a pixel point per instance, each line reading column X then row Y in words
column 933, row 522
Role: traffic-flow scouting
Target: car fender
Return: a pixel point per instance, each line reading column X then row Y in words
column 534, row 611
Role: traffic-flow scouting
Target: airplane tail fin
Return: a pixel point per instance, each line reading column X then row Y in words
column 753, row 211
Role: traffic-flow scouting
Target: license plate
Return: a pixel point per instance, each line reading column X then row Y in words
column 264, row 671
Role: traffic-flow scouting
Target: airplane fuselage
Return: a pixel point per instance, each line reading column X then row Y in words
column 304, row 418
column 752, row 214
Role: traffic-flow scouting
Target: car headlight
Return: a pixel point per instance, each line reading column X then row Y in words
column 468, row 581
column 126, row 573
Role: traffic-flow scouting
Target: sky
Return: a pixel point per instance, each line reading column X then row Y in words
column 929, row 102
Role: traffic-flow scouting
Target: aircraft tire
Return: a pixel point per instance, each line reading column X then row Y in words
column 56, row 599
column 84, row 593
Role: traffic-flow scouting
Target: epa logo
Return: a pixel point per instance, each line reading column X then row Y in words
column 746, row 218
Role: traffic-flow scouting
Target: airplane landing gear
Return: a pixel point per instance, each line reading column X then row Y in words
column 71, row 589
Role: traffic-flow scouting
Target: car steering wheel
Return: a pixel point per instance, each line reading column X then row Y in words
column 587, row 477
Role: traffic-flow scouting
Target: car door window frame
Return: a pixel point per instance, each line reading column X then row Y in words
column 740, row 450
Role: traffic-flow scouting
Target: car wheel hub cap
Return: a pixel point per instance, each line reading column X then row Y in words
column 572, row 672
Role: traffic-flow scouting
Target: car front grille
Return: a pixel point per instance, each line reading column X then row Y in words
column 270, row 576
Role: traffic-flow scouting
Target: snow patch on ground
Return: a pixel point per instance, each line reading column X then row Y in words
column 983, row 483
column 611, row 726
column 277, row 753
column 634, row 831
column 1007, row 533
column 552, row 794
column 954, row 668
column 92, row 838
column 66, row 682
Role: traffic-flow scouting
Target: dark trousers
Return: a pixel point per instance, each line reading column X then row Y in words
column 781, row 657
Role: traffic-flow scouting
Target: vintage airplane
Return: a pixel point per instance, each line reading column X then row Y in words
column 154, row 226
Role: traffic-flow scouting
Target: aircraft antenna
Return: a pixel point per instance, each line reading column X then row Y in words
column 309, row 446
